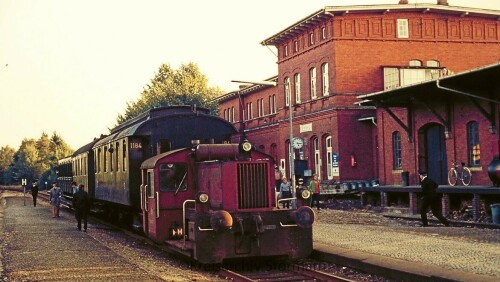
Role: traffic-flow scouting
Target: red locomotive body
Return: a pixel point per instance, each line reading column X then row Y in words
column 215, row 202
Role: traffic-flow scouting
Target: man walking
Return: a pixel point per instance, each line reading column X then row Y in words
column 81, row 206
column 430, row 199
column 34, row 192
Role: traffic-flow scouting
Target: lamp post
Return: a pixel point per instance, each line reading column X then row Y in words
column 289, row 95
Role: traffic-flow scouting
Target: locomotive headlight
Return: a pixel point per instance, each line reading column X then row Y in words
column 246, row 146
column 221, row 221
column 305, row 194
column 202, row 197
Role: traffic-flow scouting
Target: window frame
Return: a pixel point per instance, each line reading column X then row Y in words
column 403, row 28
column 312, row 83
column 473, row 144
column 397, row 160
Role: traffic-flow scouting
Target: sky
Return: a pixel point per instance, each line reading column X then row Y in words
column 71, row 66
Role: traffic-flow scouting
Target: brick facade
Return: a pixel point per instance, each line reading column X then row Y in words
column 356, row 44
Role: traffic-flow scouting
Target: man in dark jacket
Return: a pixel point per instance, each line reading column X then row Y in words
column 34, row 192
column 430, row 199
column 81, row 205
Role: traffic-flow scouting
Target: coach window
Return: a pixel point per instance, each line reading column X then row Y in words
column 111, row 151
column 311, row 38
column 105, row 161
column 124, row 156
column 473, row 149
column 162, row 146
column 173, row 177
column 98, row 160
column 117, row 156
column 323, row 33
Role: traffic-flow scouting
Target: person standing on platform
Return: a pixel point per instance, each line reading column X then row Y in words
column 277, row 177
column 74, row 187
column 430, row 198
column 81, row 206
column 55, row 195
column 314, row 189
column 34, row 192
column 286, row 192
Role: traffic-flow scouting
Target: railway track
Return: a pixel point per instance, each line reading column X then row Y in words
column 290, row 272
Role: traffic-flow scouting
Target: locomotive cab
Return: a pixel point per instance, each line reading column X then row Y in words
column 216, row 201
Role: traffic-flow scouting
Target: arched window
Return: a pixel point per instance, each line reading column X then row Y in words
column 329, row 158
column 396, row 150
column 312, row 82
column 415, row 63
column 473, row 149
column 287, row 91
column 317, row 156
column 433, row 63
column 325, row 79
column 297, row 87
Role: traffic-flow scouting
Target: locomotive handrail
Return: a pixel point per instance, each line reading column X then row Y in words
column 157, row 205
column 184, row 219
column 285, row 199
column 141, row 190
column 205, row 229
column 288, row 225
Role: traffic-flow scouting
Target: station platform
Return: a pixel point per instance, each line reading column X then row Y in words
column 404, row 250
column 37, row 247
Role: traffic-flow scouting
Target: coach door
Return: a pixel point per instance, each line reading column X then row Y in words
column 151, row 209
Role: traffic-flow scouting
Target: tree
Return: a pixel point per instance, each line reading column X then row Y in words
column 35, row 158
column 6, row 158
column 169, row 87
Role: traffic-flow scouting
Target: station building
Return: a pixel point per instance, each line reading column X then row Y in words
column 365, row 93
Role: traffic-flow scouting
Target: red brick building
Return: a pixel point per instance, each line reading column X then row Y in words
column 331, row 58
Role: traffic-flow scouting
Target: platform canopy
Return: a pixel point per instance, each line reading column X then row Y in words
column 480, row 84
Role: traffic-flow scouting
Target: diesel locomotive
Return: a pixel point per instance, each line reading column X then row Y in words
column 189, row 180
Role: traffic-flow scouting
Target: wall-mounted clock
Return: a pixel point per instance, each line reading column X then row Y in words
column 297, row 143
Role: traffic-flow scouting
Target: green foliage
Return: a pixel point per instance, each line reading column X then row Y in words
column 6, row 158
column 33, row 159
column 169, row 87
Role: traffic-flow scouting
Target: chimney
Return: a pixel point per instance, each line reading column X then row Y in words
column 403, row 2
column 442, row 2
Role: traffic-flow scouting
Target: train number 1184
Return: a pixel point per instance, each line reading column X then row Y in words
column 135, row 145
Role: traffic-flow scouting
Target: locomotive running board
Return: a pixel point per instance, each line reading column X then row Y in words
column 179, row 247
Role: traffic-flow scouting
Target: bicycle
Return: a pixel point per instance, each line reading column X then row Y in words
column 463, row 174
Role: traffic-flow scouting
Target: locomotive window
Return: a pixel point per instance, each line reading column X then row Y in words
column 173, row 177
column 150, row 188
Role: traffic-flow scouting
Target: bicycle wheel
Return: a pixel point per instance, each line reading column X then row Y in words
column 466, row 176
column 452, row 177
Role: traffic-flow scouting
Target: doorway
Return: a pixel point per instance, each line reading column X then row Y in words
column 435, row 159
